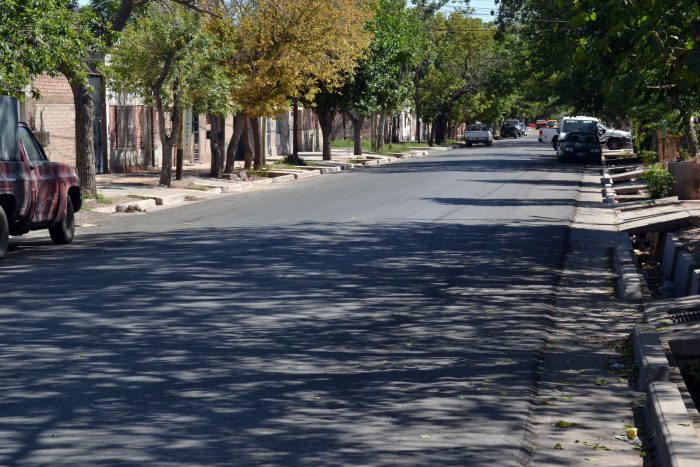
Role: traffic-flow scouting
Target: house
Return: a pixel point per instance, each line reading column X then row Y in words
column 126, row 134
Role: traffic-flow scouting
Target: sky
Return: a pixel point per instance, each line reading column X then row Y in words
column 482, row 8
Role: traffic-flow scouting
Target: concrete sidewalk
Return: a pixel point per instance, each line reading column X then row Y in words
column 585, row 398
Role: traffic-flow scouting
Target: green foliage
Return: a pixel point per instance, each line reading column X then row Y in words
column 43, row 36
column 383, row 80
column 659, row 181
column 612, row 58
column 169, row 53
column 454, row 79
column 648, row 157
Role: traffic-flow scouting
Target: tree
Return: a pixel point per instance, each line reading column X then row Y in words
column 614, row 59
column 171, row 59
column 454, row 83
column 288, row 49
column 383, row 81
column 42, row 36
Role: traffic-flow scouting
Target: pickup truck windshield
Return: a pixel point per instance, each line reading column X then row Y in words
column 30, row 147
column 574, row 125
column 478, row 128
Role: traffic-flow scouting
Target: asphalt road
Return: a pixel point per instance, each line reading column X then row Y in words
column 392, row 314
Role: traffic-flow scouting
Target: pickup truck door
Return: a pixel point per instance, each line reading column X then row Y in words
column 44, row 188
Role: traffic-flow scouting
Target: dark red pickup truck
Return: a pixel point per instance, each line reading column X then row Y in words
column 34, row 193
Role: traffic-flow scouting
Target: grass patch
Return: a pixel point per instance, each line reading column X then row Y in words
column 138, row 197
column 388, row 148
column 289, row 161
column 99, row 199
column 262, row 172
column 195, row 186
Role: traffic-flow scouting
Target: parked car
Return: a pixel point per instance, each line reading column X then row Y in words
column 547, row 134
column 572, row 124
column 478, row 134
column 34, row 193
column 583, row 146
column 613, row 139
column 523, row 129
column 509, row 129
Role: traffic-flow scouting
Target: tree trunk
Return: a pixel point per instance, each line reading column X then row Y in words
column 325, row 121
column 247, row 145
column 180, row 152
column 217, row 136
column 381, row 131
column 84, row 138
column 692, row 138
column 417, row 129
column 357, row 123
column 295, row 129
column 238, row 125
column 373, row 132
column 259, row 160
column 431, row 138
column 166, row 140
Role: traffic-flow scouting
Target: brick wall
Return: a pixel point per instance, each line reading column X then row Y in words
column 54, row 112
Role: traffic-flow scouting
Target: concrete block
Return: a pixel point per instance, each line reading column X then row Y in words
column 650, row 357
column 685, row 264
column 298, row 174
column 341, row 165
column 657, row 223
column 626, row 176
column 324, row 170
column 282, row 179
column 677, row 442
column 629, row 281
column 629, row 284
column 629, row 188
column 672, row 246
column 169, row 199
column 694, row 287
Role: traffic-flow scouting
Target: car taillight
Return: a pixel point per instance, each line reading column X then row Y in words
column 541, row 132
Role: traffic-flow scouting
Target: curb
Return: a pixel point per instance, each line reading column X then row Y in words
column 629, row 280
column 677, row 441
column 319, row 168
column 651, row 359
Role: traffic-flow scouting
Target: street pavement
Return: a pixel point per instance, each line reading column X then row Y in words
column 395, row 314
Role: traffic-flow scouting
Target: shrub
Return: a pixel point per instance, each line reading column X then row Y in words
column 659, row 181
column 648, row 157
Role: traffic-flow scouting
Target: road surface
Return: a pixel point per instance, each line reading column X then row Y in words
column 392, row 314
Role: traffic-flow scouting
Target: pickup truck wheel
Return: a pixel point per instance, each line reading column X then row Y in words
column 64, row 231
column 4, row 233
column 469, row 144
column 614, row 144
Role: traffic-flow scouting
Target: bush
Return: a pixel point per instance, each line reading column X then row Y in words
column 659, row 181
column 648, row 157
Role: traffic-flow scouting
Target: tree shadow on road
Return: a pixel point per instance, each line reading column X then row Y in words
column 314, row 344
